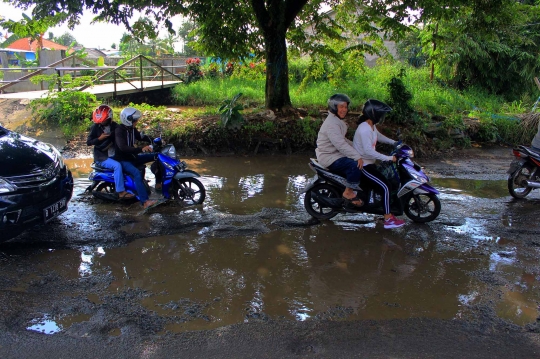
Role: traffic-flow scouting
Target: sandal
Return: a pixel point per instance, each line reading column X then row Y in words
column 126, row 195
column 350, row 201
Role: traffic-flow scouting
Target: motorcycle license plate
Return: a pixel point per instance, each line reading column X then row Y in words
column 54, row 210
column 514, row 165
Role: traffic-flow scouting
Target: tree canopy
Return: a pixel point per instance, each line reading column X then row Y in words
column 270, row 28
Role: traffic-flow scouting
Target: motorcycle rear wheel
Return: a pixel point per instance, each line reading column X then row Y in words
column 423, row 207
column 314, row 208
column 189, row 190
column 516, row 182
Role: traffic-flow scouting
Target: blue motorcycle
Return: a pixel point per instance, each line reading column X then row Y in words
column 177, row 181
column 411, row 192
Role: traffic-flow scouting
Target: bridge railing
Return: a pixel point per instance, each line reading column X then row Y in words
column 135, row 72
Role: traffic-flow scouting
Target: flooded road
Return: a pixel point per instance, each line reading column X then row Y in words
column 252, row 254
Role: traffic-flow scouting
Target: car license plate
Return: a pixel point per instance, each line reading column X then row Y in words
column 54, row 210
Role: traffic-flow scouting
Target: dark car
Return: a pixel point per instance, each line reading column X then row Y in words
column 35, row 184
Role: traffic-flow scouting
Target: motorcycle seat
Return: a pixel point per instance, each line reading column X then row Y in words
column 316, row 163
column 98, row 168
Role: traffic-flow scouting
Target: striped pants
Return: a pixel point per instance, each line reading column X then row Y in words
column 374, row 180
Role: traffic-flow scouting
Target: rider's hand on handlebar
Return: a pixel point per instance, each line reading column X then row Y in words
column 147, row 148
column 394, row 159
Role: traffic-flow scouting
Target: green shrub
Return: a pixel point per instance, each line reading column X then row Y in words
column 69, row 108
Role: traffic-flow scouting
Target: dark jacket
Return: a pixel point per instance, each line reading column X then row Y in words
column 101, row 147
column 125, row 139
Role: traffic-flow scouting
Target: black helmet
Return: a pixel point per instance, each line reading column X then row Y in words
column 375, row 110
column 335, row 100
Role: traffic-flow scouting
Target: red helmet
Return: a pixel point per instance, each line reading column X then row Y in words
column 102, row 114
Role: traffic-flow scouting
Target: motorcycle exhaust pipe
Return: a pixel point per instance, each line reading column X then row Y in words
column 533, row 184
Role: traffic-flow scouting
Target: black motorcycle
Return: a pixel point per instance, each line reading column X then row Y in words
column 523, row 174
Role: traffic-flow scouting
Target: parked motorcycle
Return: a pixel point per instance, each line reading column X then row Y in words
column 411, row 194
column 523, row 174
column 177, row 181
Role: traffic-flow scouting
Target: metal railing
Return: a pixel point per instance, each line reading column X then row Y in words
column 137, row 69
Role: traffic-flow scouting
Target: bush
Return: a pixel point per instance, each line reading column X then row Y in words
column 193, row 70
column 69, row 108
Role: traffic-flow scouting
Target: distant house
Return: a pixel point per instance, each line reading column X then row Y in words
column 91, row 54
column 27, row 48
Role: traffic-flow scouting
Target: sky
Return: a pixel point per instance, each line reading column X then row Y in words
column 99, row 35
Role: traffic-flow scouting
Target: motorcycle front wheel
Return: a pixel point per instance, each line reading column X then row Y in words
column 516, row 182
column 422, row 207
column 188, row 190
column 317, row 210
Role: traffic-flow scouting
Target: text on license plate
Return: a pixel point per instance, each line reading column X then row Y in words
column 54, row 210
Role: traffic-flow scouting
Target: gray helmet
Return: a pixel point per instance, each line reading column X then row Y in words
column 335, row 100
column 128, row 115
column 375, row 110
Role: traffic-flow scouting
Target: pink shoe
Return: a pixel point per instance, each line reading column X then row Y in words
column 393, row 222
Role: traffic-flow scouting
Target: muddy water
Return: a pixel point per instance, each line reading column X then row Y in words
column 348, row 268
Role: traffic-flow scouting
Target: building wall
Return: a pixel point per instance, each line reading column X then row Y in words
column 46, row 57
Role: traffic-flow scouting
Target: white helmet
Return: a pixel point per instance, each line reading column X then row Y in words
column 128, row 115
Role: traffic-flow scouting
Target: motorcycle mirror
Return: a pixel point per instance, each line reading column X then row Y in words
column 398, row 134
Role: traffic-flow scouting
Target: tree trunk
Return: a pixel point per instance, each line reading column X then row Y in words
column 277, row 72
column 274, row 18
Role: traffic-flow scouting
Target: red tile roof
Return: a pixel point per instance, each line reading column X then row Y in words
column 24, row 44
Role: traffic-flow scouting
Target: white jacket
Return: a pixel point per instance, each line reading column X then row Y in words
column 365, row 141
column 331, row 142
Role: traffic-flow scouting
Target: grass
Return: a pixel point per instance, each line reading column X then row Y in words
column 497, row 117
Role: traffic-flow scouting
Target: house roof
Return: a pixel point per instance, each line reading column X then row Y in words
column 25, row 45
column 91, row 53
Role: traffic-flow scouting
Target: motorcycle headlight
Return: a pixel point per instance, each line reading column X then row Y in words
column 6, row 187
column 410, row 152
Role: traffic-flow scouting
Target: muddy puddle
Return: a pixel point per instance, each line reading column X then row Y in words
column 346, row 269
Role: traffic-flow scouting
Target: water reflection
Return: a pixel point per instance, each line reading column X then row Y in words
column 475, row 188
column 295, row 274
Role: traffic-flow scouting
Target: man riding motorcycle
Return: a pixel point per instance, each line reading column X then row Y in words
column 335, row 151
column 129, row 155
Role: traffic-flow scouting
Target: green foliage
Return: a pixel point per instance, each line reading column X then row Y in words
column 193, row 70
column 230, row 113
column 65, row 39
column 409, row 49
column 69, row 108
column 23, row 62
column 298, row 68
column 212, row 71
column 494, row 47
column 250, row 71
column 32, row 28
column 400, row 97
